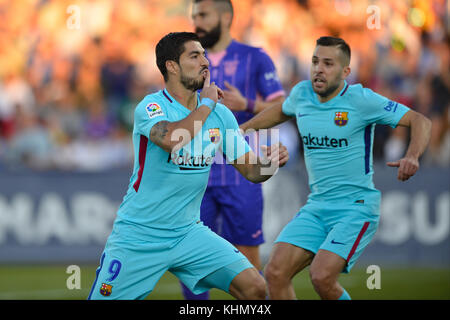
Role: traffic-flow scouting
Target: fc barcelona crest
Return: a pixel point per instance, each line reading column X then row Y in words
column 214, row 135
column 105, row 289
column 341, row 118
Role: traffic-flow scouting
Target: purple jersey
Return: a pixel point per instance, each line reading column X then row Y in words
column 252, row 71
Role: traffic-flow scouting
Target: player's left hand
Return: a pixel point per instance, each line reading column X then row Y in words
column 276, row 153
column 407, row 167
column 233, row 98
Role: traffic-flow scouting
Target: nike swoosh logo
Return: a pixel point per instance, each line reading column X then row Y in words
column 236, row 250
column 302, row 115
column 335, row 242
column 256, row 234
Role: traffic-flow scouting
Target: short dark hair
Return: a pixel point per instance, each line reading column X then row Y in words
column 335, row 42
column 171, row 47
column 222, row 5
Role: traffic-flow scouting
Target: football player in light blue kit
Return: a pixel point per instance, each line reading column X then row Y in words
column 233, row 206
column 336, row 121
column 158, row 225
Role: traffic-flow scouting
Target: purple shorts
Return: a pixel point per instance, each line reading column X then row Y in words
column 235, row 213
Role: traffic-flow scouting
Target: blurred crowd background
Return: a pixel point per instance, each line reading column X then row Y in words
column 72, row 72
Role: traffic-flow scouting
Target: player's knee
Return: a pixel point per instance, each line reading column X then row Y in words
column 257, row 290
column 248, row 285
column 321, row 279
column 274, row 274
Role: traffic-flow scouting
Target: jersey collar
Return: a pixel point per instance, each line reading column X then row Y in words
column 175, row 103
column 344, row 90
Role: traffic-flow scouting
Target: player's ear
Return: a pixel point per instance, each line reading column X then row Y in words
column 226, row 18
column 172, row 67
column 345, row 72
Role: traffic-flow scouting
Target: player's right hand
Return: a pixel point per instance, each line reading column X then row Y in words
column 407, row 167
column 210, row 90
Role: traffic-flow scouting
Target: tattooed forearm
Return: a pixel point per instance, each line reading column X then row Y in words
column 159, row 132
column 172, row 135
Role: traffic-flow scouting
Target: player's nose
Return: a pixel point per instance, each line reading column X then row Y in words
column 204, row 62
column 319, row 68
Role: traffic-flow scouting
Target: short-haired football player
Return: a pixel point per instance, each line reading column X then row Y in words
column 177, row 132
column 336, row 122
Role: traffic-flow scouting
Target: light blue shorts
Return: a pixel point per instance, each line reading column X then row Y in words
column 344, row 229
column 130, row 268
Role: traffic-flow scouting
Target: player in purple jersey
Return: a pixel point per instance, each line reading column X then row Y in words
column 232, row 207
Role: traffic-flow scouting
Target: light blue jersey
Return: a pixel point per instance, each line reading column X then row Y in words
column 158, row 226
column 166, row 189
column 338, row 139
column 342, row 212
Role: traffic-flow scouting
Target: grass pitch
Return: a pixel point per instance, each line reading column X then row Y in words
column 49, row 283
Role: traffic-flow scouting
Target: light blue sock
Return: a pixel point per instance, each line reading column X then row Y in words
column 345, row 296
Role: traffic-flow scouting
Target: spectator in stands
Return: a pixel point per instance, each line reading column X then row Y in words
column 109, row 57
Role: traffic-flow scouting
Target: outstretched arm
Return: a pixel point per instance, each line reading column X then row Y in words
column 420, row 129
column 267, row 118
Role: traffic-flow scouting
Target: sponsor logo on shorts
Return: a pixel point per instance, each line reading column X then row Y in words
column 256, row 234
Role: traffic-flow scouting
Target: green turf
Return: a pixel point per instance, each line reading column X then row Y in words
column 49, row 282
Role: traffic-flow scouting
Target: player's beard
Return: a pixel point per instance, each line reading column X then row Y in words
column 210, row 38
column 192, row 84
column 330, row 89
